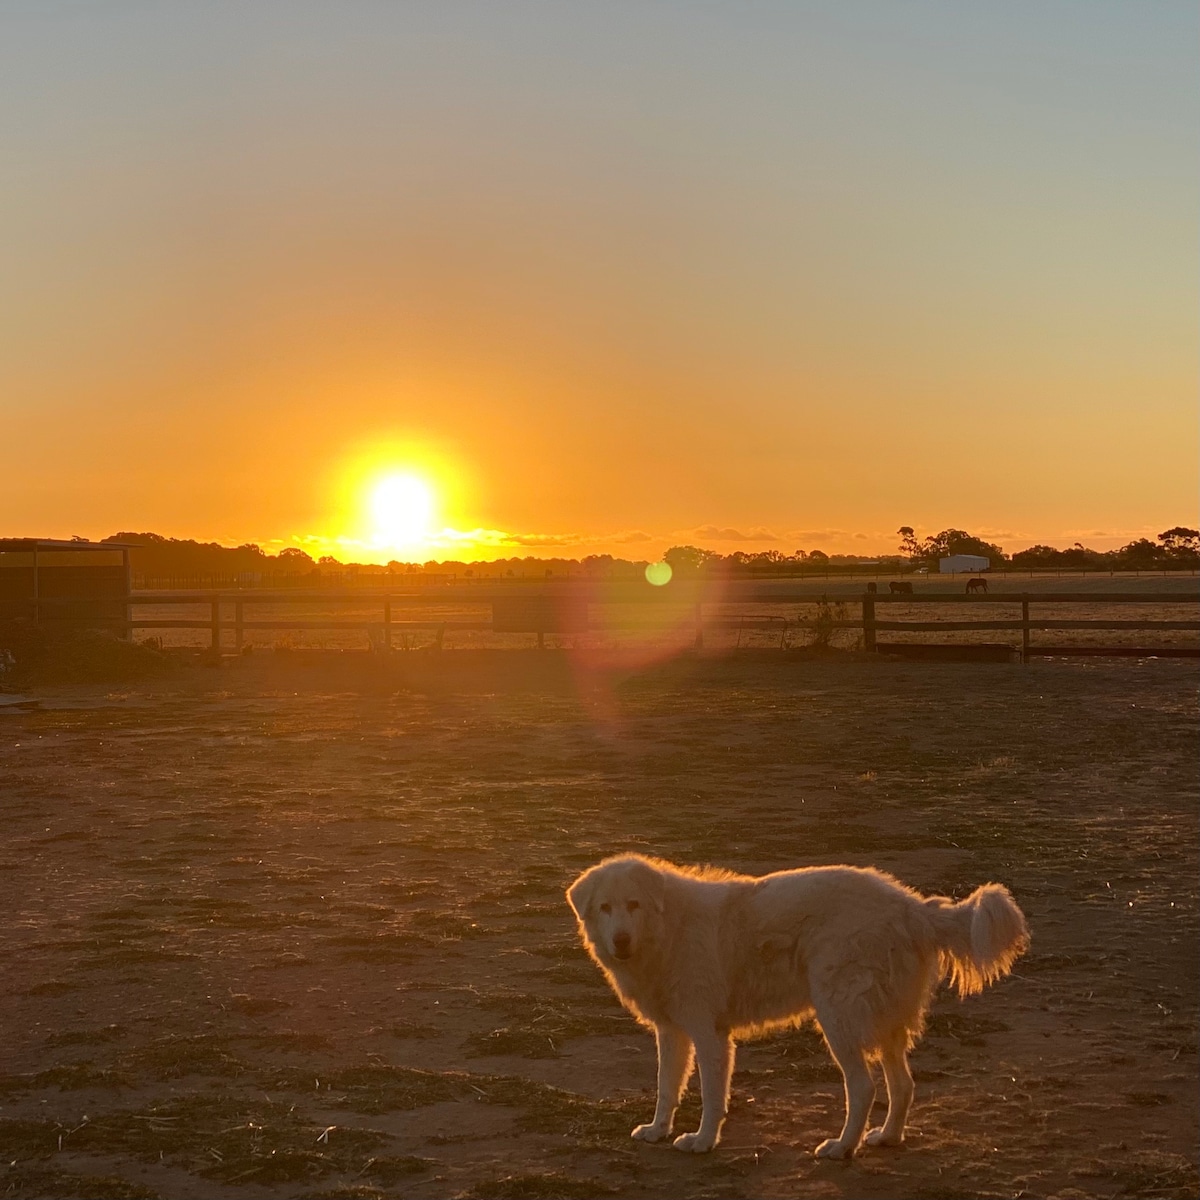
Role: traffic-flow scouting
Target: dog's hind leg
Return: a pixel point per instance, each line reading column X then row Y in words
column 894, row 1053
column 714, row 1054
column 860, row 1091
column 674, row 1067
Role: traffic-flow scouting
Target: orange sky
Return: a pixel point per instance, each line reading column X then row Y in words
column 614, row 277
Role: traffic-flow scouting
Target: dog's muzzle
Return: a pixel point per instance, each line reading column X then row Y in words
column 622, row 947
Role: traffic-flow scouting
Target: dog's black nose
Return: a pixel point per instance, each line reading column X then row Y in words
column 621, row 945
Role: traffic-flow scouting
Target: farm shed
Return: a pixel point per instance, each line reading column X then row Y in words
column 81, row 583
column 958, row 563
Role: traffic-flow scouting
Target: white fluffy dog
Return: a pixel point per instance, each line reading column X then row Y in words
column 704, row 956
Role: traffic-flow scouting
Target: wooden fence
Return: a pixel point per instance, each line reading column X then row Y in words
column 1028, row 622
column 570, row 611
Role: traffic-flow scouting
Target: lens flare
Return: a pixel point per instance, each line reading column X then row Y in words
column 659, row 573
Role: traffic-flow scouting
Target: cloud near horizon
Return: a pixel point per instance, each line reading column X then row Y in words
column 717, row 533
column 820, row 535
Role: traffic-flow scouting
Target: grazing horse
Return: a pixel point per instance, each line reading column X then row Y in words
column 872, row 588
column 895, row 587
column 976, row 585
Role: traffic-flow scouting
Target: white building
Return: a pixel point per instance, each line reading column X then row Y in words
column 959, row 563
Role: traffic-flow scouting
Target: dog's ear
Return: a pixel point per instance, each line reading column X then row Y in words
column 579, row 894
column 654, row 882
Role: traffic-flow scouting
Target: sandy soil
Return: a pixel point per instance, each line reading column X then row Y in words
column 295, row 926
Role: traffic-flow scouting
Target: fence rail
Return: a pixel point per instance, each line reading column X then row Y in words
column 393, row 614
column 1028, row 622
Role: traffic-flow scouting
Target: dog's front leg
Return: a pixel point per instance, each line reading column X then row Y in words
column 674, row 1067
column 714, row 1053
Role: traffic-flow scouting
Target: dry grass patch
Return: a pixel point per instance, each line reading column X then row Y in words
column 225, row 1138
column 537, row 1185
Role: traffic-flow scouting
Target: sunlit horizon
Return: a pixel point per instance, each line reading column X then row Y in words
column 482, row 545
column 605, row 278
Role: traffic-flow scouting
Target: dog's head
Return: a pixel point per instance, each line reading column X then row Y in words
column 618, row 903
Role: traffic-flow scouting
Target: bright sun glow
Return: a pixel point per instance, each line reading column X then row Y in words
column 402, row 509
column 392, row 498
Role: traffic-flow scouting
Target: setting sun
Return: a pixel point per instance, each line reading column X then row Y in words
column 402, row 507
column 390, row 497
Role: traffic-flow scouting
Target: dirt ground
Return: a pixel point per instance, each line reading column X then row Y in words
column 295, row 926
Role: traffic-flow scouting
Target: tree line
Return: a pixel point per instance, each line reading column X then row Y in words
column 155, row 557
column 1177, row 548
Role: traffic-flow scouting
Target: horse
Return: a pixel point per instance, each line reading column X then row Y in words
column 976, row 585
column 895, row 587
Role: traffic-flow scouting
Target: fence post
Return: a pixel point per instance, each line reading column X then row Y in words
column 868, row 609
column 216, row 624
column 1025, row 629
column 237, row 626
column 127, row 633
column 387, row 622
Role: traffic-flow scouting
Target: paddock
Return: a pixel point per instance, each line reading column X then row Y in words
column 295, row 925
column 1155, row 613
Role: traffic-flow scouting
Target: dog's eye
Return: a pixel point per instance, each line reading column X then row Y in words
column 633, row 905
column 606, row 908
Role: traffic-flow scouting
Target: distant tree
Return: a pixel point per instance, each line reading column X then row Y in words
column 689, row 560
column 598, row 565
column 140, row 539
column 959, row 541
column 818, row 556
column 1140, row 555
column 156, row 557
column 1035, row 556
column 327, row 560
column 1182, row 545
column 909, row 544
column 1079, row 558
column 946, row 543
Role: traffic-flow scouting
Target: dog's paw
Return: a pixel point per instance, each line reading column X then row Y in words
column 876, row 1137
column 651, row 1133
column 832, row 1148
column 694, row 1143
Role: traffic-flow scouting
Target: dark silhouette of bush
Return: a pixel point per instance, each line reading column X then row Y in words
column 33, row 654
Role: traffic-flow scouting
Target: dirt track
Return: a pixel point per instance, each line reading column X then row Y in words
column 296, row 927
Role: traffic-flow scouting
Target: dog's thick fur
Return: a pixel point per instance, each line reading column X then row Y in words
column 703, row 956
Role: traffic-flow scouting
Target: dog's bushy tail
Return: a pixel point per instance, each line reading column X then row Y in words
column 978, row 938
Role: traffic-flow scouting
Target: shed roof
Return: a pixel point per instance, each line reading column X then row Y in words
column 49, row 545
